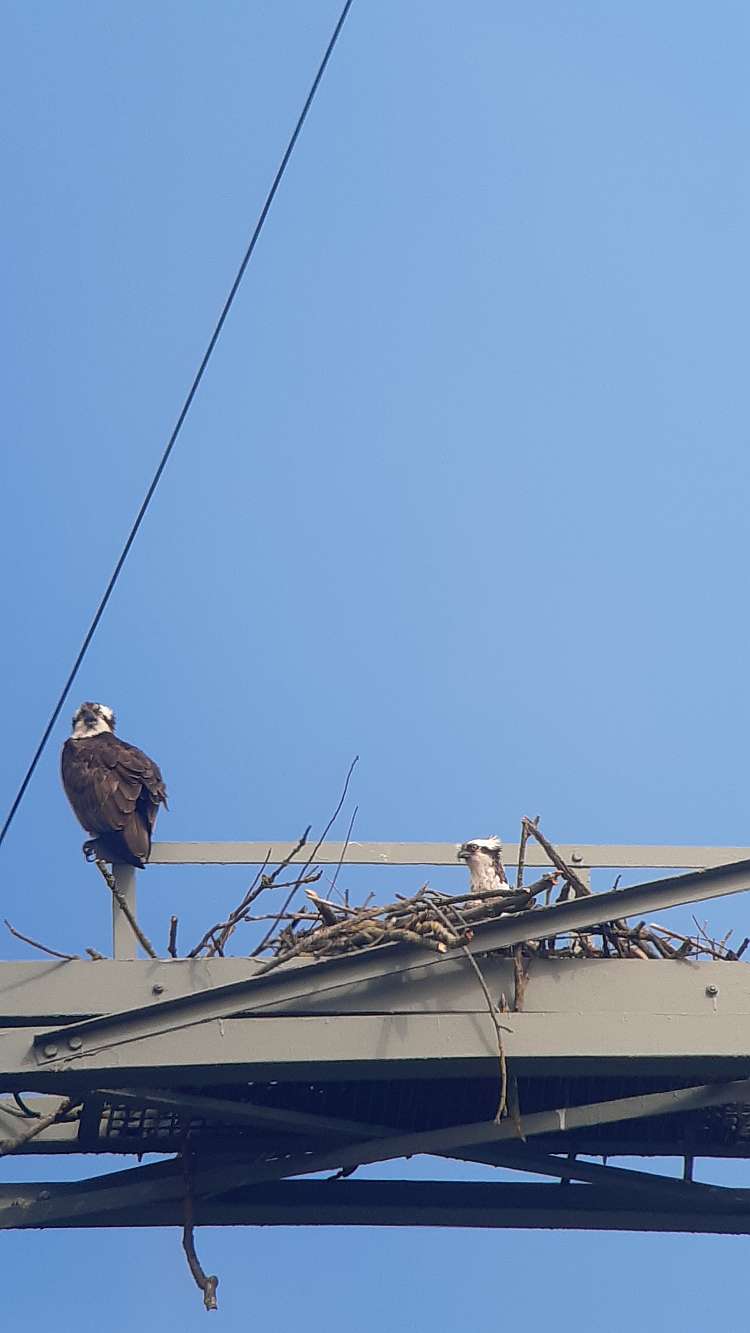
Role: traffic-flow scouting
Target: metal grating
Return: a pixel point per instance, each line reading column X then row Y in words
column 406, row 1106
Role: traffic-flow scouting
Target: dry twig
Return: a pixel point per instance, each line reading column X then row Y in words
column 344, row 849
column 172, row 945
column 522, row 851
column 217, row 936
column 142, row 939
column 43, row 948
column 582, row 890
column 503, row 1097
column 520, row 977
column 316, row 848
column 213, row 933
column 37, row 1125
column 326, row 912
column 206, row 1284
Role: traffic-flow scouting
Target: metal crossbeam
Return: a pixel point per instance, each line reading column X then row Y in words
column 49, row 994
column 620, row 856
column 163, row 1182
column 400, row 1203
column 64, row 1047
column 318, row 1127
column 608, row 1177
column 321, row 1127
column 371, row 1046
column 461, row 1137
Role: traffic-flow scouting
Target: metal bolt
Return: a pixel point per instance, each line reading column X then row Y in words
column 576, row 858
column 50, row 1051
column 44, row 1194
column 712, row 991
column 157, row 988
column 75, row 1043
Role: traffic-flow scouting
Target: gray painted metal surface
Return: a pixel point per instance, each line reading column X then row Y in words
column 50, row 993
column 70, row 1045
column 124, row 945
column 334, row 1047
column 130, row 1037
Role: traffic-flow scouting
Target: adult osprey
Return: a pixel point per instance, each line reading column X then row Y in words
column 483, row 856
column 115, row 790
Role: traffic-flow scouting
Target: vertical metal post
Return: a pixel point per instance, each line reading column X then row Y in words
column 124, row 944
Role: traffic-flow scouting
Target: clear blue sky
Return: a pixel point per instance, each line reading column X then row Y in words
column 464, row 491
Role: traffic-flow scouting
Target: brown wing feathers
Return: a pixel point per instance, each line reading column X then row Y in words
column 114, row 788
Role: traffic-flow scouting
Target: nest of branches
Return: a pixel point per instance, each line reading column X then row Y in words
column 440, row 921
column 329, row 925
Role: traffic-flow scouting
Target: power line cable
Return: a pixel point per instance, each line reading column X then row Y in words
column 180, row 421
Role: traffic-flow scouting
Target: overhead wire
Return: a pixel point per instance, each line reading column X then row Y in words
column 178, row 426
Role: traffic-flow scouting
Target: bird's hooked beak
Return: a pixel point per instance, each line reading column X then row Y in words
column 88, row 716
column 462, row 854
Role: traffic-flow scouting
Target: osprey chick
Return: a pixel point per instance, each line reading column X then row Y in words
column 115, row 789
column 483, row 856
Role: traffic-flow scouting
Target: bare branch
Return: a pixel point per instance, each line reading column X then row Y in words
column 344, row 849
column 328, row 914
column 216, row 937
column 210, row 936
column 205, row 1283
column 582, row 890
column 142, row 939
column 519, row 978
column 522, row 852
column 502, row 1100
column 43, row 948
column 285, row 908
column 36, row 1126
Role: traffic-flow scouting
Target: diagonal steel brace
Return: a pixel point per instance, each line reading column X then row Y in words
column 319, row 1127
column 288, row 984
column 164, row 1181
